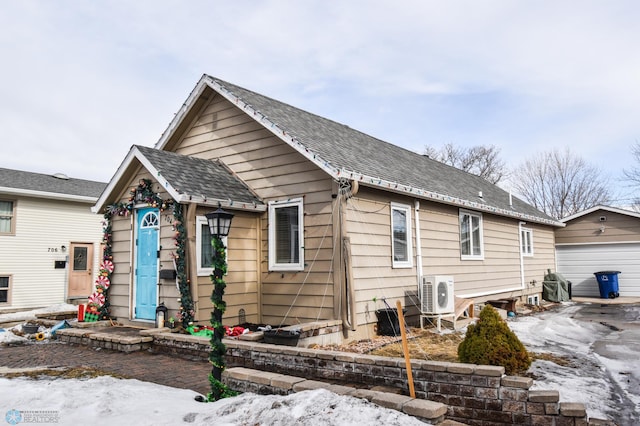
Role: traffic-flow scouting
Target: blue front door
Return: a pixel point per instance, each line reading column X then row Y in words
column 146, row 271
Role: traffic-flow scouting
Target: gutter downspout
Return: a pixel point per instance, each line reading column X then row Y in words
column 416, row 206
column 521, row 254
column 348, row 261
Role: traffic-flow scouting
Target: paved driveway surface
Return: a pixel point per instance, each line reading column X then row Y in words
column 157, row 368
column 602, row 341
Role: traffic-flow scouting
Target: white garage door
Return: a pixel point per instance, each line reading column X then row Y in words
column 578, row 263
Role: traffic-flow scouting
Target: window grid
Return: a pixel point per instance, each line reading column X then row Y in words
column 5, row 290
column 526, row 242
column 7, row 218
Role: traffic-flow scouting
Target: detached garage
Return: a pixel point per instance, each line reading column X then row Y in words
column 601, row 238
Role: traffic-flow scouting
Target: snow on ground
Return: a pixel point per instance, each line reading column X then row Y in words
column 31, row 314
column 607, row 386
column 108, row 401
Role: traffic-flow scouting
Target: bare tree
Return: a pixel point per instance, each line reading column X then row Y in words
column 633, row 174
column 560, row 183
column 483, row 161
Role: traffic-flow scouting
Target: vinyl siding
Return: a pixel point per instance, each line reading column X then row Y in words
column 583, row 249
column 369, row 227
column 275, row 171
column 586, row 229
column 242, row 277
column 42, row 227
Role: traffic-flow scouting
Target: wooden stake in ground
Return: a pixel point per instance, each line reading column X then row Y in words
column 405, row 348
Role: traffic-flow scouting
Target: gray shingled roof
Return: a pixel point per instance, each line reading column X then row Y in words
column 348, row 149
column 28, row 181
column 199, row 177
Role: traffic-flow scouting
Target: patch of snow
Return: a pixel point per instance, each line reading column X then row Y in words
column 107, row 400
column 31, row 314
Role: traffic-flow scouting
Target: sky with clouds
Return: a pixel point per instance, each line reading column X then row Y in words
column 82, row 81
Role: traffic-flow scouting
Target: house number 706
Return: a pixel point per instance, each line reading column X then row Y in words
column 52, row 249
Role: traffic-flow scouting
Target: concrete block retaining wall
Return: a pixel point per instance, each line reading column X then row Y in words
column 474, row 394
column 266, row 383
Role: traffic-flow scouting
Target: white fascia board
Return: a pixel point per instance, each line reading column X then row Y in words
column 601, row 207
column 226, row 204
column 595, row 243
column 440, row 198
column 48, row 195
column 112, row 183
column 274, row 128
column 173, row 193
column 179, row 197
column 191, row 198
column 182, row 112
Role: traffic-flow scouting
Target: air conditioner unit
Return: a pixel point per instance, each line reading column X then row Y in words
column 437, row 294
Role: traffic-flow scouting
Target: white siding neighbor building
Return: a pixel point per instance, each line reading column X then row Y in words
column 49, row 239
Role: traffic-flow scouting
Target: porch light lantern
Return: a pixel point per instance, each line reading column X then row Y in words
column 219, row 222
column 139, row 197
column 219, row 226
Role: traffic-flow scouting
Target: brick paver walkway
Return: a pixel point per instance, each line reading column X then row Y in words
column 157, row 368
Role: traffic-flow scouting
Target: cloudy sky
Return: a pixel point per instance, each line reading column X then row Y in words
column 82, row 81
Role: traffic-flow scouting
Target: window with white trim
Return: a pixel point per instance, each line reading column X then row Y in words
column 471, row 245
column 401, row 235
column 204, row 249
column 5, row 290
column 526, row 241
column 7, row 217
column 286, row 235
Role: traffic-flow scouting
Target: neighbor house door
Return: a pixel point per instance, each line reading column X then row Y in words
column 80, row 270
column 146, row 257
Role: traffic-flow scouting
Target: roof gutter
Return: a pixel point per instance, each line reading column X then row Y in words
column 182, row 112
column 441, row 198
column 48, row 195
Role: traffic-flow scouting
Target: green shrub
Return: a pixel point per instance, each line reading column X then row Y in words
column 491, row 342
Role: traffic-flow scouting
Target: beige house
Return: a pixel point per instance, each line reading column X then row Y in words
column 601, row 238
column 49, row 239
column 330, row 223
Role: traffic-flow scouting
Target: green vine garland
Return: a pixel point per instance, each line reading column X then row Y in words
column 143, row 193
column 218, row 349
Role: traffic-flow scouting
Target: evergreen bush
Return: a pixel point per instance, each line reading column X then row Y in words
column 491, row 342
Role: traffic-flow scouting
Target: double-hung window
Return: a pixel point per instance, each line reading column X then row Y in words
column 401, row 235
column 5, row 290
column 471, row 245
column 7, row 218
column 526, row 241
column 204, row 249
column 286, row 235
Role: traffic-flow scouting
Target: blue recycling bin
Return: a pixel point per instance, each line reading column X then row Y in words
column 608, row 284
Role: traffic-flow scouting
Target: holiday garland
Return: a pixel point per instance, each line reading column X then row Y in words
column 186, row 312
column 218, row 349
column 98, row 306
